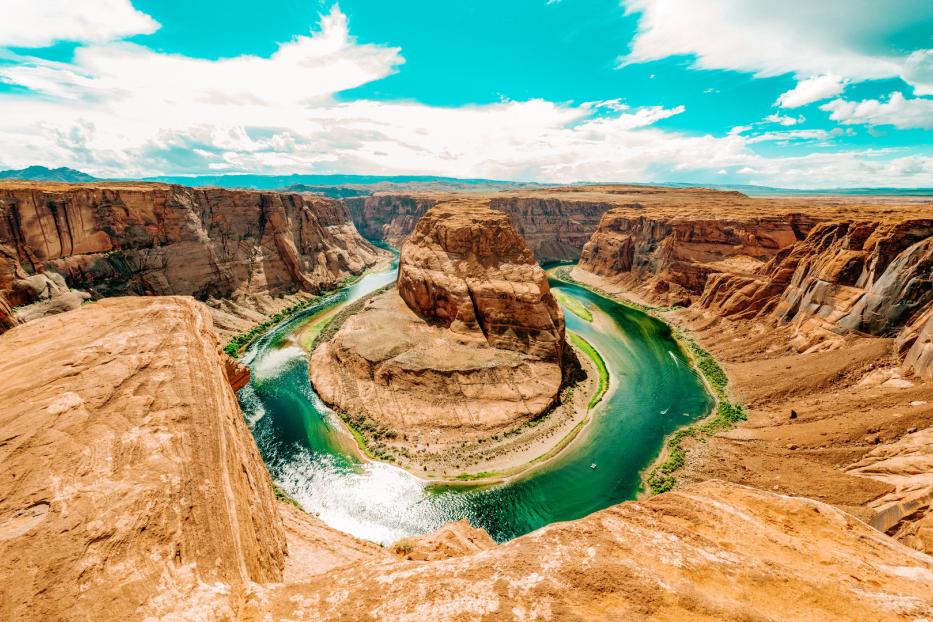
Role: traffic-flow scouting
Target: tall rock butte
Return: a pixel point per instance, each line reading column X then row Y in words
column 471, row 341
column 464, row 267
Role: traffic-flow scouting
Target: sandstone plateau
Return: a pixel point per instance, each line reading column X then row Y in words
column 470, row 343
column 132, row 490
column 242, row 251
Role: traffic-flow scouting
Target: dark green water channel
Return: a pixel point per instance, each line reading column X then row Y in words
column 653, row 391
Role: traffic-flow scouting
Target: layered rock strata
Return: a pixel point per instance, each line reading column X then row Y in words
column 132, row 490
column 554, row 226
column 470, row 343
column 465, row 268
column 865, row 277
column 112, row 239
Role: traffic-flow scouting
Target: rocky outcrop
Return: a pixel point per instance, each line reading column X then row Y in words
column 917, row 340
column 470, row 344
column 7, row 319
column 237, row 373
column 465, row 268
column 852, row 276
column 130, row 485
column 388, row 217
column 670, row 258
column 132, row 490
column 112, row 239
column 714, row 551
column 456, row 539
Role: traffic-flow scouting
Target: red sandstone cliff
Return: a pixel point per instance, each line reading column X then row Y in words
column 465, row 267
column 468, row 345
column 553, row 227
column 865, row 277
column 112, row 239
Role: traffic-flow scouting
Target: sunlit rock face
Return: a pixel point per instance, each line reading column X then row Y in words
column 464, row 267
column 130, row 478
column 469, row 343
column 62, row 243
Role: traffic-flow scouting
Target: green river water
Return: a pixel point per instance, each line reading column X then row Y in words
column 653, row 391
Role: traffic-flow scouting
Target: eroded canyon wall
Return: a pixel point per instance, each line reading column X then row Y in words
column 131, row 489
column 671, row 257
column 114, row 239
column 554, row 227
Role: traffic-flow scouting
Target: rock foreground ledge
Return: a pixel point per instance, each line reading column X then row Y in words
column 131, row 489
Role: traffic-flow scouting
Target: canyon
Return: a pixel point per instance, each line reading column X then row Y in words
column 467, row 346
column 554, row 225
column 818, row 305
column 245, row 253
column 132, row 487
column 134, row 399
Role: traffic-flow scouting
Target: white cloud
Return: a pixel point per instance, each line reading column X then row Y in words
column 804, row 37
column 784, row 119
column 123, row 110
column 124, row 73
column 811, row 90
column 918, row 71
column 36, row 23
column 789, row 135
column 897, row 111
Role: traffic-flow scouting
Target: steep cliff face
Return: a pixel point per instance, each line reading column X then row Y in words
column 554, row 227
column 671, row 257
column 867, row 277
column 130, row 483
column 388, row 217
column 917, row 340
column 156, row 239
column 465, row 267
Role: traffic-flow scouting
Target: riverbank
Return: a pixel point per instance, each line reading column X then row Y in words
column 498, row 458
column 661, row 475
column 238, row 343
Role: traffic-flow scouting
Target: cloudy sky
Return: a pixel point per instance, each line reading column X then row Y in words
column 798, row 93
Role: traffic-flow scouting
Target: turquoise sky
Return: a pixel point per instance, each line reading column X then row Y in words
column 644, row 90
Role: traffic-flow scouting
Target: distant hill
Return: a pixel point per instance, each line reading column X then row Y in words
column 752, row 190
column 324, row 183
column 43, row 173
column 341, row 186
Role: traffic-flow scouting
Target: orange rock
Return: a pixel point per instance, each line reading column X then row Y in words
column 155, row 239
column 130, row 483
column 466, row 268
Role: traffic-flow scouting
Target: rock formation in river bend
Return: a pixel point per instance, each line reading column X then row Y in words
column 111, row 239
column 470, row 343
column 465, row 268
column 131, row 489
